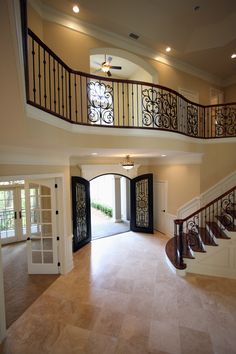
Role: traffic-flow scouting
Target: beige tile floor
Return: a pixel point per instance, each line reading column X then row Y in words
column 122, row 297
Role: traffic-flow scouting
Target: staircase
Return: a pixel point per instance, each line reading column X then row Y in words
column 205, row 241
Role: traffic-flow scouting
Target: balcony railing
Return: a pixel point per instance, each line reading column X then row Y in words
column 86, row 99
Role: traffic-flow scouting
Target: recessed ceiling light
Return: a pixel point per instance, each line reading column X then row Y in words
column 94, row 153
column 163, row 155
column 233, row 56
column 168, row 49
column 76, row 9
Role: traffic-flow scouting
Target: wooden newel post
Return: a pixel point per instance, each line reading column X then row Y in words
column 179, row 240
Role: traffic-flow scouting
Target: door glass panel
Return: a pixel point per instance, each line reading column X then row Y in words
column 81, row 212
column 46, row 230
column 47, row 257
column 46, row 216
column 37, row 257
column 44, row 190
column 23, row 212
column 7, row 214
column 36, row 244
column 142, row 212
column 47, row 244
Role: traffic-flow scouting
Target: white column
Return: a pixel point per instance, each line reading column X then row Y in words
column 117, row 200
column 125, row 198
column 2, row 302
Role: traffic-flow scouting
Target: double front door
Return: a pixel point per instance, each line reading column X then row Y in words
column 141, row 197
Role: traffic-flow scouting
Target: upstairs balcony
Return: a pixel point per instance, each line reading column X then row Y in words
column 85, row 99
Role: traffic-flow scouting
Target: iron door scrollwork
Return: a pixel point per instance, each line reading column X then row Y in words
column 142, row 204
column 81, row 212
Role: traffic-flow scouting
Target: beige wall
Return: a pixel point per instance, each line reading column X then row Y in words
column 219, row 160
column 183, row 183
column 72, row 47
column 35, row 22
column 230, row 94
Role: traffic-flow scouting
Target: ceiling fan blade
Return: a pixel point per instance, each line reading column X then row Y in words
column 115, row 67
column 96, row 63
column 109, row 73
column 97, row 70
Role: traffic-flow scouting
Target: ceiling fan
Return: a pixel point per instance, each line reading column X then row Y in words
column 106, row 66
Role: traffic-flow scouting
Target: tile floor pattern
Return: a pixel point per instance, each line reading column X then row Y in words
column 122, row 297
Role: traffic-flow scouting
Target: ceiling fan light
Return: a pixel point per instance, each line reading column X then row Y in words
column 105, row 67
column 76, row 9
column 127, row 164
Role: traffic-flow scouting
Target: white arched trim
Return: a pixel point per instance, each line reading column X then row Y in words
column 131, row 57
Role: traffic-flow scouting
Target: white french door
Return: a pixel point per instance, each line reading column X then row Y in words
column 12, row 214
column 42, row 241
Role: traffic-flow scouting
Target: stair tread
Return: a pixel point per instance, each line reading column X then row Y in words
column 216, row 230
column 225, row 223
column 207, row 239
column 187, row 252
column 197, row 246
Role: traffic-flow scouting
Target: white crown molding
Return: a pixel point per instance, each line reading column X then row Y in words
column 53, row 15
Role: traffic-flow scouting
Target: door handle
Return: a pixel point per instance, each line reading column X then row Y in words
column 15, row 215
column 163, row 210
column 20, row 214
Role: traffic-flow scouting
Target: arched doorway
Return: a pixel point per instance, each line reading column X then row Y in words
column 141, row 208
column 110, row 205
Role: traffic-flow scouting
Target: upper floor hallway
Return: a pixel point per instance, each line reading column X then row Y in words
column 80, row 97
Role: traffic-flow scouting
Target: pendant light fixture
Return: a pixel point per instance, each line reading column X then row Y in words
column 127, row 164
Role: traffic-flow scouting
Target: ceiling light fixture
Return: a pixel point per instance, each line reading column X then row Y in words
column 76, row 9
column 168, row 49
column 233, row 56
column 127, row 164
column 163, row 155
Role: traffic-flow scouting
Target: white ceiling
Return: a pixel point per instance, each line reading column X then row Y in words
column 204, row 39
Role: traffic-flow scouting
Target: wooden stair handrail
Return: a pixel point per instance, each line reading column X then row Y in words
column 180, row 221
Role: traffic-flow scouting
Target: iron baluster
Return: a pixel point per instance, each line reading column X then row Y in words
column 54, row 86
column 39, row 75
column 58, row 88
column 76, row 107
column 45, row 80
column 34, row 80
column 62, row 92
column 49, row 76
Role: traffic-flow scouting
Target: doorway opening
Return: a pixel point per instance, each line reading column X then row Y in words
column 27, row 240
column 110, row 205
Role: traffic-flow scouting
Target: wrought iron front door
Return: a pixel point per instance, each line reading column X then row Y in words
column 81, row 212
column 142, row 204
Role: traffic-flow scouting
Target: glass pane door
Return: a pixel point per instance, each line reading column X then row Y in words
column 42, row 245
column 7, row 216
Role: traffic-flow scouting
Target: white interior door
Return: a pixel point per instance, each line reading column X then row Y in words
column 160, row 205
column 41, row 227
